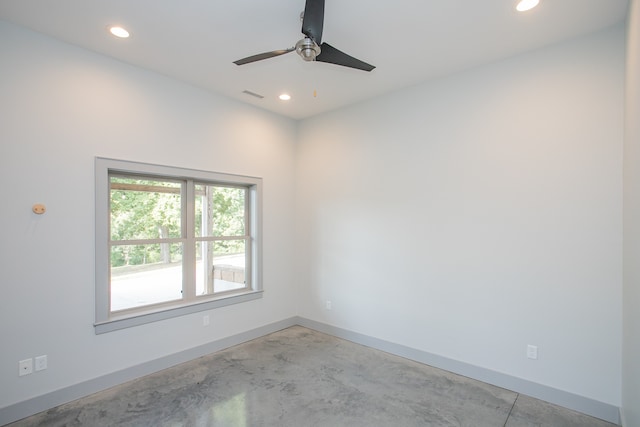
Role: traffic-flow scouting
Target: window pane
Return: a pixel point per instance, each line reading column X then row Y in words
column 220, row 211
column 220, row 266
column 145, row 274
column 144, row 208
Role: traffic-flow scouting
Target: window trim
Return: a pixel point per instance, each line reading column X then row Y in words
column 106, row 321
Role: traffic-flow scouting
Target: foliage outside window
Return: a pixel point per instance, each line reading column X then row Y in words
column 177, row 241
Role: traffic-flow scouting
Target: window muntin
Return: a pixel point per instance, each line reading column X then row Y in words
column 175, row 241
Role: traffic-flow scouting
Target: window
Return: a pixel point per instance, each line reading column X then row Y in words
column 172, row 241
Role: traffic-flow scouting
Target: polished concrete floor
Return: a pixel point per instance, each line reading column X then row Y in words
column 299, row 377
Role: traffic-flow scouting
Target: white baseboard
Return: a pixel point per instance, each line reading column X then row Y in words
column 47, row 401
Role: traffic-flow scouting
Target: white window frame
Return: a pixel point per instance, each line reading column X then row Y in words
column 105, row 320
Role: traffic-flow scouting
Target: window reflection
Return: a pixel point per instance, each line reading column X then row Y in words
column 231, row 412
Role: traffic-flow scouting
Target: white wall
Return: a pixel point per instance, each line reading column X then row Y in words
column 465, row 217
column 631, row 296
column 473, row 215
column 60, row 106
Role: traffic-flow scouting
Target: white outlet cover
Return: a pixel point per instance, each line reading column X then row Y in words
column 205, row 320
column 532, row 352
column 25, row 367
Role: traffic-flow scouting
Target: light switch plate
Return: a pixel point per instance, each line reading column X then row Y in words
column 41, row 363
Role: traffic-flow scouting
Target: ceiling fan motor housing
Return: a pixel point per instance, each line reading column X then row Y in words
column 307, row 49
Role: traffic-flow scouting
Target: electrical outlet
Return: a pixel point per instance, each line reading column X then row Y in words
column 205, row 320
column 328, row 305
column 532, row 351
column 25, row 367
column 41, row 363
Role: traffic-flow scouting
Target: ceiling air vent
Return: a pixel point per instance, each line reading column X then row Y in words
column 248, row 92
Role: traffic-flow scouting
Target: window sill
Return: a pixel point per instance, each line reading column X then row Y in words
column 117, row 323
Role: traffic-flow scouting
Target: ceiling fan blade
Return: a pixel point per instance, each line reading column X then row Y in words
column 332, row 55
column 313, row 20
column 261, row 56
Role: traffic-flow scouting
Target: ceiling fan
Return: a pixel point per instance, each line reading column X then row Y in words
column 311, row 48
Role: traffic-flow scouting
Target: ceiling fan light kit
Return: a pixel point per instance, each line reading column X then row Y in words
column 311, row 48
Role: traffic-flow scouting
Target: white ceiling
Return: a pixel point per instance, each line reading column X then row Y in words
column 409, row 41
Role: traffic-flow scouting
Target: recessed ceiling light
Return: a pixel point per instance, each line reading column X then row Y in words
column 285, row 97
column 119, row 32
column 524, row 5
